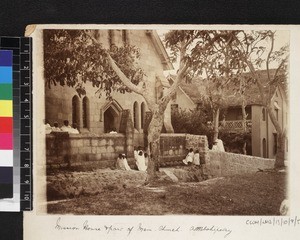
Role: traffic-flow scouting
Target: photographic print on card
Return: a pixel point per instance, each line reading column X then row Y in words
column 185, row 121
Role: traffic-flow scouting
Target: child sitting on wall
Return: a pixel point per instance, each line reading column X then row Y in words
column 189, row 157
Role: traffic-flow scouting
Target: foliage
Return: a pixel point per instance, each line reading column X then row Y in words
column 234, row 141
column 73, row 57
column 190, row 121
column 196, row 122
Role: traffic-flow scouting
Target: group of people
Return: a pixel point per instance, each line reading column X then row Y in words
column 141, row 160
column 65, row 128
column 193, row 158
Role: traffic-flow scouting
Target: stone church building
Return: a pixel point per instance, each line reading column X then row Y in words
column 96, row 115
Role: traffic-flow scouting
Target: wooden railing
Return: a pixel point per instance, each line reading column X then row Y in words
column 235, row 125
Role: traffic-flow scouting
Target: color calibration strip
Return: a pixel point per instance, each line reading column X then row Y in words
column 6, row 124
column 21, row 124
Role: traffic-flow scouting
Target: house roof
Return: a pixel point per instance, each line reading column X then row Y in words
column 160, row 49
column 196, row 90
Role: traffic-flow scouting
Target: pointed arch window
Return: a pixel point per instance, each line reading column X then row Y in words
column 263, row 114
column 85, row 112
column 75, row 110
column 125, row 37
column 143, row 110
column 264, row 145
column 136, row 115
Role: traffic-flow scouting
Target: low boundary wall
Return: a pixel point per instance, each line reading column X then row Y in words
column 225, row 164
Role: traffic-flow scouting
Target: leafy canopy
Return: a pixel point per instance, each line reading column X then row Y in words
column 74, row 57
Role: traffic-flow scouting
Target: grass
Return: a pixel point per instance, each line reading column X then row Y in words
column 252, row 194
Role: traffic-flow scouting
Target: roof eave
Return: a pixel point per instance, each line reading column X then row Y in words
column 167, row 65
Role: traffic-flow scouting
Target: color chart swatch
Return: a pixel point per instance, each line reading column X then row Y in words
column 6, row 124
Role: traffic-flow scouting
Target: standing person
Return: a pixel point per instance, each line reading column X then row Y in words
column 218, row 146
column 189, row 157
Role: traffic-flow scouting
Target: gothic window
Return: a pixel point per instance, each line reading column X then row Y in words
column 75, row 110
column 264, row 145
column 143, row 109
column 275, row 143
column 276, row 108
column 264, row 114
column 124, row 37
column 111, row 37
column 136, row 115
column 85, row 112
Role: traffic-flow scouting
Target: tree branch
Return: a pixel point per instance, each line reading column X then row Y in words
column 135, row 88
column 126, row 81
column 269, row 56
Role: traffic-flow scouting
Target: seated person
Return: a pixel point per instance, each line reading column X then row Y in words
column 113, row 130
column 48, row 128
column 122, row 163
column 140, row 160
column 67, row 128
column 74, row 129
column 189, row 157
column 55, row 127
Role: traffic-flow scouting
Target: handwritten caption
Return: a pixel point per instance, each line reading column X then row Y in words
column 60, row 225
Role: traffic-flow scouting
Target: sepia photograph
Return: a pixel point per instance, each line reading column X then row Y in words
column 165, row 121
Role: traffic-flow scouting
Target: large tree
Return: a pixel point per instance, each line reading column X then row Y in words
column 74, row 57
column 256, row 50
column 221, row 69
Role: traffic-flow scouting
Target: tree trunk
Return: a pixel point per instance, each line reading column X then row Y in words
column 281, row 138
column 216, row 114
column 245, row 115
column 280, row 156
column 154, row 131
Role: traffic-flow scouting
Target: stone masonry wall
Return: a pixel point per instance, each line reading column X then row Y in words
column 83, row 150
column 102, row 151
column 173, row 147
column 225, row 164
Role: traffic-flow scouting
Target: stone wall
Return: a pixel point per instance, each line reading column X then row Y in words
column 84, row 150
column 173, row 147
column 64, row 150
column 225, row 164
